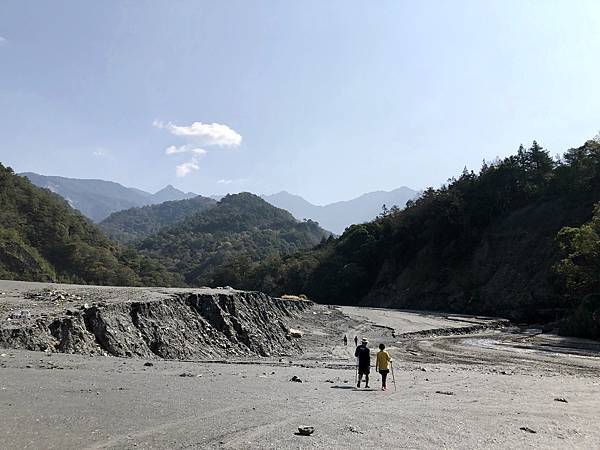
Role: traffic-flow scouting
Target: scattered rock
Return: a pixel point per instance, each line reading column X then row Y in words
column 296, row 379
column 423, row 369
column 445, row 392
column 295, row 333
column 148, row 364
column 328, row 381
column 352, row 429
column 20, row 315
column 305, row 430
column 561, row 399
column 528, row 430
column 186, row 374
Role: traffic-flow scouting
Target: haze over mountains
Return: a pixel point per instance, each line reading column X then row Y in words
column 97, row 199
column 335, row 217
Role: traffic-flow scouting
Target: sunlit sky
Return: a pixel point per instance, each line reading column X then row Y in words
column 326, row 99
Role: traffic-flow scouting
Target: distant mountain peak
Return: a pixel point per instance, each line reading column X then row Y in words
column 168, row 188
column 170, row 193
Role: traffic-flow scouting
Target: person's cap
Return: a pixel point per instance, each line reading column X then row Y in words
column 365, row 340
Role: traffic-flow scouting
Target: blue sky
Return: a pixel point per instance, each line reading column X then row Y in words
column 326, row 99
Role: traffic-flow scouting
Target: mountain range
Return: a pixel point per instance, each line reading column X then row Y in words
column 194, row 241
column 336, row 217
column 97, row 199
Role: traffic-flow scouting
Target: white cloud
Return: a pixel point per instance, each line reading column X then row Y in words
column 3, row 41
column 198, row 135
column 173, row 150
column 183, row 169
column 101, row 153
column 224, row 181
column 204, row 134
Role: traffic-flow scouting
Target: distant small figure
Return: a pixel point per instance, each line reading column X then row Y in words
column 363, row 355
column 345, row 340
column 382, row 365
column 356, row 341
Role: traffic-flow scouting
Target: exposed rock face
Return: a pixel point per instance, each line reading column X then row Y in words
column 183, row 325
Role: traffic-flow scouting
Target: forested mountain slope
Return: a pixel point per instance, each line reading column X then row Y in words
column 491, row 243
column 137, row 223
column 220, row 245
column 43, row 239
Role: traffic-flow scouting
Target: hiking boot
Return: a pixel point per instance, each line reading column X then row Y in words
column 367, row 387
column 358, row 385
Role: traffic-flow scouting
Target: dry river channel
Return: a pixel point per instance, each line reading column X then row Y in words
column 460, row 382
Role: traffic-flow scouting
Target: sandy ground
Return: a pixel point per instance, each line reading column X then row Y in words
column 451, row 392
column 409, row 321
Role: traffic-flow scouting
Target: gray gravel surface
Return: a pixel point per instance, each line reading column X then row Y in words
column 488, row 390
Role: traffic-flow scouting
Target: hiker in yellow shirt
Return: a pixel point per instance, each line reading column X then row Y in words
column 382, row 365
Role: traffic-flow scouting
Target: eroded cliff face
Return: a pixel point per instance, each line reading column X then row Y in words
column 180, row 325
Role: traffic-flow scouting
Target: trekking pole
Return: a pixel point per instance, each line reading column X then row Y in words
column 393, row 376
column 356, row 374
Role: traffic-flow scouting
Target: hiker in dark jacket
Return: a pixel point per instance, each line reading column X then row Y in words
column 364, row 362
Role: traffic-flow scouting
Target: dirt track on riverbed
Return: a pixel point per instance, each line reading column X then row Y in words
column 498, row 388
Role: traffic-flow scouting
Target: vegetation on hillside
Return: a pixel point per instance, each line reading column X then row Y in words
column 137, row 223
column 221, row 245
column 43, row 239
column 483, row 243
column 580, row 276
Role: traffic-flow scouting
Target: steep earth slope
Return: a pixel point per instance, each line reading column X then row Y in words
column 146, row 322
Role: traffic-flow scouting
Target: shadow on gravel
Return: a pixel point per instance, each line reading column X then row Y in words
column 354, row 388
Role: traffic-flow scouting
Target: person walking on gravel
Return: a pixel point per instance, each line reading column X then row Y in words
column 364, row 362
column 345, row 340
column 356, row 341
column 382, row 365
